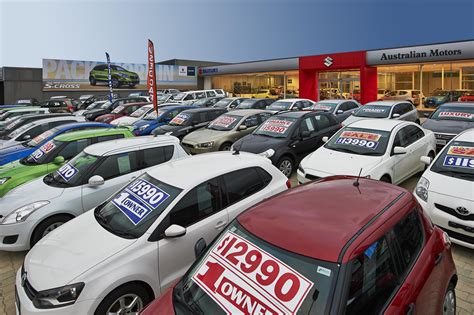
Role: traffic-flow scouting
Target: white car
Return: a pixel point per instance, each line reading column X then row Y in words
column 290, row 104
column 384, row 109
column 140, row 113
column 136, row 244
column 383, row 149
column 34, row 209
column 415, row 97
column 446, row 189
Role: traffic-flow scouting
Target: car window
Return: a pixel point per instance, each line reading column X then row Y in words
column 264, row 116
column 403, row 93
column 344, row 106
column 243, row 183
column 210, row 93
column 373, row 280
column 322, row 122
column 307, row 125
column 117, row 165
column 406, row 108
column 397, row 109
column 200, row 95
column 158, row 155
column 413, row 134
column 188, row 97
column 251, row 121
column 351, row 105
column 73, row 148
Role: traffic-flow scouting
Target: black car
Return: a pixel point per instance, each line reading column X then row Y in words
column 108, row 107
column 449, row 120
column 25, row 119
column 292, row 135
column 255, row 103
column 340, row 108
column 188, row 121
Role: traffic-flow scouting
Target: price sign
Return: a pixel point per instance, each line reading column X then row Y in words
column 363, row 139
column 67, row 171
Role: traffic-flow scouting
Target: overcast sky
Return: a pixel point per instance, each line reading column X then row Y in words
column 221, row 30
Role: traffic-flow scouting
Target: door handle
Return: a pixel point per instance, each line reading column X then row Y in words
column 220, row 225
column 438, row 259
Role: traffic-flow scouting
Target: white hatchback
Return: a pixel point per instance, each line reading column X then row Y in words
column 132, row 247
column 382, row 149
column 446, row 189
column 34, row 209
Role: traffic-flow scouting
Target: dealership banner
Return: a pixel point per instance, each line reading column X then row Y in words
column 81, row 75
column 152, row 75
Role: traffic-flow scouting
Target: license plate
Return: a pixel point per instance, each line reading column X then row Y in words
column 17, row 302
column 441, row 142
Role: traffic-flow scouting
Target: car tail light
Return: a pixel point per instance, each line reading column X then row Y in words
column 288, row 183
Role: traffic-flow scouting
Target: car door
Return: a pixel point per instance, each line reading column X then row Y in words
column 304, row 144
column 70, row 150
column 201, row 211
column 401, row 164
column 417, row 146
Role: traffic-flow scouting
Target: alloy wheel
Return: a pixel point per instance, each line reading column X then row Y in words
column 128, row 304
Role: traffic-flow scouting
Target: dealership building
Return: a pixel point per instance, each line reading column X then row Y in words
column 364, row 75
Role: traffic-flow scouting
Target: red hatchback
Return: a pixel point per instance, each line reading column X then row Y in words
column 329, row 247
column 120, row 111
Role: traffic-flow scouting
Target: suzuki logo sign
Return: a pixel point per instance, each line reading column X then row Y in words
column 328, row 61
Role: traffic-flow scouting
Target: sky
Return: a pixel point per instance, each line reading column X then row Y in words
column 221, row 30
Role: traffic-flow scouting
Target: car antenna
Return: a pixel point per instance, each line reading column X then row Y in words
column 237, row 150
column 356, row 183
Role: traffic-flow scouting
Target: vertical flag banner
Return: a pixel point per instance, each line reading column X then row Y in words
column 109, row 78
column 151, row 76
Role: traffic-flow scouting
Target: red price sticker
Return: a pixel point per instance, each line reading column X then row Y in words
column 461, row 150
column 457, row 115
column 276, row 126
column 223, row 121
column 244, row 279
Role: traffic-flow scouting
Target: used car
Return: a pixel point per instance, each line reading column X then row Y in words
column 385, row 109
column 223, row 131
column 339, row 108
column 120, row 76
column 203, row 102
column 446, row 189
column 155, row 119
column 468, row 96
column 229, row 102
column 440, row 97
column 108, row 106
column 147, row 232
column 291, row 135
column 290, row 104
column 338, row 246
column 415, row 97
column 22, row 120
column 120, row 111
column 384, row 149
column 58, row 105
column 93, row 105
column 255, row 103
column 140, row 113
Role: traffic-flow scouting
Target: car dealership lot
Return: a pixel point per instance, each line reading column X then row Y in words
column 464, row 259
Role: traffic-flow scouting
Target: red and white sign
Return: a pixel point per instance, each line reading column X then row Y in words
column 361, row 135
column 244, row 279
column 223, row 121
column 461, row 150
column 44, row 149
column 151, row 75
column 43, row 136
column 322, row 107
column 276, row 125
column 456, row 115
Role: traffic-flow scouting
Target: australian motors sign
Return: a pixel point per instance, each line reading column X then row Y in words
column 428, row 53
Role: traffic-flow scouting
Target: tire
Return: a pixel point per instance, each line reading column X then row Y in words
column 127, row 292
column 385, row 179
column 449, row 302
column 92, row 80
column 286, row 165
column 115, row 83
column 225, row 146
column 47, row 226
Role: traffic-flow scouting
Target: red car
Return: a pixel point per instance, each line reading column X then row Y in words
column 335, row 246
column 120, row 111
column 467, row 97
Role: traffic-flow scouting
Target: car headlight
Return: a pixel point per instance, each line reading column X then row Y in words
column 3, row 180
column 421, row 189
column 205, row 144
column 143, row 127
column 20, row 214
column 58, row 297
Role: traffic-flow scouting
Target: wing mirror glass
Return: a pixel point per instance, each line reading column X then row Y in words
column 95, row 181
column 399, row 150
column 175, row 230
column 425, row 160
column 58, row 160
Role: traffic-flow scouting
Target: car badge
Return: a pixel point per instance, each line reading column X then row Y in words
column 462, row 211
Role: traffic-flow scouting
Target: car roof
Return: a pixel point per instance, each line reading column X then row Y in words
column 205, row 109
column 81, row 134
column 385, row 103
column 458, row 104
column 128, row 144
column 378, row 124
column 319, row 219
column 292, row 100
column 467, row 135
column 337, row 101
column 53, row 119
column 184, row 174
column 247, row 112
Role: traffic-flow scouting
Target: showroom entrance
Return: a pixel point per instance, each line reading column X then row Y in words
column 339, row 85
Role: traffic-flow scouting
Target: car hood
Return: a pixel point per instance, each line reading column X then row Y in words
column 324, row 162
column 447, row 126
column 61, row 256
column 205, row 135
column 258, row 144
column 143, row 122
column 349, row 120
column 124, row 121
column 167, row 128
column 449, row 186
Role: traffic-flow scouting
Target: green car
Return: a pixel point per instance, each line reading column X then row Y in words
column 120, row 76
column 53, row 154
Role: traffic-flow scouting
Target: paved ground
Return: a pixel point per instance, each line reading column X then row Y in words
column 464, row 258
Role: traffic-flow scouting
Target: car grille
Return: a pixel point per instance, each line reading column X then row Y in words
column 444, row 136
column 29, row 290
column 312, row 177
column 459, row 236
column 453, row 212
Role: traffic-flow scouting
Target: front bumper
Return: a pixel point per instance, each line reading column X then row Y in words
column 16, row 237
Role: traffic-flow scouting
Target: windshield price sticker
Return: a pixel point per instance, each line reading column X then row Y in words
column 180, row 119
column 457, row 115
column 44, row 149
column 459, row 156
column 67, row 171
column 139, row 199
column 363, row 139
column 118, row 109
column 461, row 150
column 276, row 126
column 322, row 107
column 374, row 110
column 43, row 136
column 23, row 102
column 244, row 279
column 223, row 121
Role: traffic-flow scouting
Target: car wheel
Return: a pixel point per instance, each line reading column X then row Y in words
column 225, row 146
column 127, row 299
column 449, row 303
column 386, row 179
column 92, row 80
column 47, row 226
column 285, row 165
column 115, row 83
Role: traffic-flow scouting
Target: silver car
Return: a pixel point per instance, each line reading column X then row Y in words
column 385, row 109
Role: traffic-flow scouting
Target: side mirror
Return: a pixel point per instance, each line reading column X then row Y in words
column 242, row 127
column 95, row 181
column 395, row 115
column 325, row 139
column 339, row 111
column 58, row 160
column 199, row 248
column 175, row 231
column 399, row 150
column 425, row 160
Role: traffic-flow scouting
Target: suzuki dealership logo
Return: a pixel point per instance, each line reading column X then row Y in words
column 328, row 61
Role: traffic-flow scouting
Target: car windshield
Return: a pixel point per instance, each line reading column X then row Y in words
column 359, row 141
column 324, row 106
column 246, row 104
column 180, row 119
column 464, row 113
column 224, row 122
column 456, row 160
column 95, row 105
column 280, row 105
column 153, row 115
column 373, row 111
column 118, row 109
column 440, row 93
column 240, row 272
column 163, row 98
column 42, row 154
column 223, row 103
column 276, row 127
column 132, row 210
column 179, row 96
column 140, row 112
column 40, row 138
column 71, row 174
column 106, row 105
